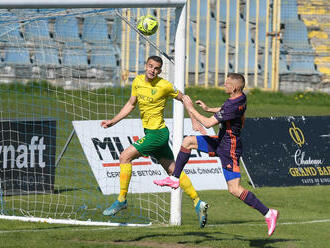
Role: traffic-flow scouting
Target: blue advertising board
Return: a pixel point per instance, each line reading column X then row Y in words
column 287, row 151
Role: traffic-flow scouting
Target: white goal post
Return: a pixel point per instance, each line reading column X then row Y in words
column 179, row 64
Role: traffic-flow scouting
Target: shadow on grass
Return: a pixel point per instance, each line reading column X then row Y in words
column 205, row 238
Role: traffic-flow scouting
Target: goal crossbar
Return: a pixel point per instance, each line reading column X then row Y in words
column 91, row 4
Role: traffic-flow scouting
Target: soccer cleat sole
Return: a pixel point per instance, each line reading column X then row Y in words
column 202, row 225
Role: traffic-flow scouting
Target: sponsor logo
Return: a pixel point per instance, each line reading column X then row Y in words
column 297, row 135
column 24, row 156
column 115, row 146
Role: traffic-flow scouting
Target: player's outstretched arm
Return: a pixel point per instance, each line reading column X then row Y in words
column 128, row 108
column 196, row 125
column 206, row 108
column 205, row 121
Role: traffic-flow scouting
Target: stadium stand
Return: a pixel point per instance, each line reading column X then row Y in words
column 223, row 11
column 241, row 60
column 10, row 32
column 241, row 32
column 74, row 57
column 295, row 36
column 202, row 10
column 17, row 56
column 302, row 64
column 66, row 29
column 261, row 34
column 221, row 58
column 289, row 11
column 95, row 30
column 283, row 66
column 192, row 54
column 303, row 49
column 315, row 15
column 103, row 58
column 37, row 30
column 253, row 11
column 46, row 57
column 17, row 62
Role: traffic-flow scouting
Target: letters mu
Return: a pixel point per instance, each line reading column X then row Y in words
column 24, row 155
column 112, row 143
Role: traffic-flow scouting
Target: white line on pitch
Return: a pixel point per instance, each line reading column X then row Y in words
column 106, row 228
column 278, row 223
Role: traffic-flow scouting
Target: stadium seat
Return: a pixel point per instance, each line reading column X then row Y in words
column 74, row 57
column 193, row 9
column 133, row 50
column 289, row 11
column 302, row 64
column 295, row 35
column 101, row 58
column 262, row 33
column 212, row 32
column 10, row 32
column 95, row 29
column 223, row 10
column 262, row 11
column 241, row 59
column 37, row 30
column 46, row 57
column 241, row 32
column 73, row 45
column 283, row 67
column 192, row 55
column 132, row 58
column 221, row 58
column 17, row 56
column 66, row 29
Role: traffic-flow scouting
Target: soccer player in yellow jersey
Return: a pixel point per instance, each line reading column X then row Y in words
column 150, row 92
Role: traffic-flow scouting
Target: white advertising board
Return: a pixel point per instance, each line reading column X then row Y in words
column 103, row 146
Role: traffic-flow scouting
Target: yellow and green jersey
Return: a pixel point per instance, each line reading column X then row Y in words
column 151, row 98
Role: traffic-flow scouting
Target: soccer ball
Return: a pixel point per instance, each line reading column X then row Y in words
column 147, row 25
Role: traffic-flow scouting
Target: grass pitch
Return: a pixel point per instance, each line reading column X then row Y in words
column 304, row 211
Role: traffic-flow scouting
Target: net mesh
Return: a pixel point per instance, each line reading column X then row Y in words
column 58, row 66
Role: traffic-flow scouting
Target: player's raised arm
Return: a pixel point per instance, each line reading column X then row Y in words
column 128, row 108
column 206, row 108
column 205, row 121
column 195, row 124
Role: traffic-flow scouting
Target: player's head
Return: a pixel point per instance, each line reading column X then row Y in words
column 153, row 67
column 234, row 83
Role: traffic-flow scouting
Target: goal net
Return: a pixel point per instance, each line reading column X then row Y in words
column 64, row 65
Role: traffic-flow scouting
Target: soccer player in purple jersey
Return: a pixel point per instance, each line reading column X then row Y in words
column 227, row 145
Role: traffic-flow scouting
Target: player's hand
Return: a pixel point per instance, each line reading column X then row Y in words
column 198, row 127
column 202, row 105
column 187, row 102
column 106, row 123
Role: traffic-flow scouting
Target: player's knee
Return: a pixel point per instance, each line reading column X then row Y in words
column 123, row 158
column 189, row 142
column 234, row 191
column 170, row 171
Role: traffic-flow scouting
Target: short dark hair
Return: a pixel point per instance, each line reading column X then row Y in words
column 157, row 59
column 239, row 77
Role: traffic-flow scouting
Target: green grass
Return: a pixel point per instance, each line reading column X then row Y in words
column 231, row 223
